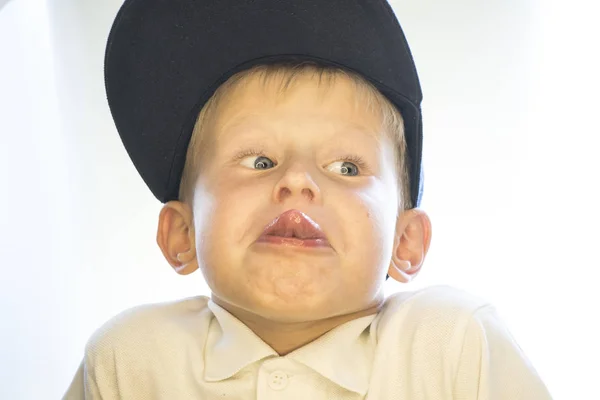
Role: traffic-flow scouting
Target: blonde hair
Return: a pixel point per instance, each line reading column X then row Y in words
column 392, row 121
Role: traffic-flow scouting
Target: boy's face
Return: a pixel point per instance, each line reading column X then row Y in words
column 304, row 137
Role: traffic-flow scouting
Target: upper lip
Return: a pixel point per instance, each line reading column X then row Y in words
column 294, row 223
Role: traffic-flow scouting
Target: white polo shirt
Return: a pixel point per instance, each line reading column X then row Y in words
column 437, row 343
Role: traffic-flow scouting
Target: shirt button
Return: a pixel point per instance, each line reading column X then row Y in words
column 278, row 380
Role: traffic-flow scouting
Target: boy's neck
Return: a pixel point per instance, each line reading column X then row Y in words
column 285, row 337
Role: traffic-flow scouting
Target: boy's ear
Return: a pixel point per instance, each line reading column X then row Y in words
column 411, row 243
column 175, row 237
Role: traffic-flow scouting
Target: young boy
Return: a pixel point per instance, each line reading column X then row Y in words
column 284, row 138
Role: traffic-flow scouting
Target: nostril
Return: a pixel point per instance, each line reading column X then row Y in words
column 308, row 193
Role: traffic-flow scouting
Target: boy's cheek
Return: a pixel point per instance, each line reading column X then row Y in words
column 379, row 200
column 378, row 211
column 225, row 221
column 229, row 185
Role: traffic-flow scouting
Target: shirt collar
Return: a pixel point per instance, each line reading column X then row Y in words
column 343, row 355
column 231, row 346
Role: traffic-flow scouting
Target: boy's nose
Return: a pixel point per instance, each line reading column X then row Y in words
column 296, row 182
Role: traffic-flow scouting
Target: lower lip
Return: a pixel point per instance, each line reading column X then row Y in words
column 293, row 242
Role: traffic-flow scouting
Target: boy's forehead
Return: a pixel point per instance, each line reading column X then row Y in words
column 307, row 98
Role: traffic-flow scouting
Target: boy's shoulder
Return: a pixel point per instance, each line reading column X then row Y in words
column 415, row 329
column 439, row 298
column 441, row 309
column 146, row 324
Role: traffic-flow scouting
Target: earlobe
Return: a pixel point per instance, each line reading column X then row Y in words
column 402, row 270
column 186, row 268
column 187, row 263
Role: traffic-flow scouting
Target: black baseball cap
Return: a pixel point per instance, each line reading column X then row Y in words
column 165, row 58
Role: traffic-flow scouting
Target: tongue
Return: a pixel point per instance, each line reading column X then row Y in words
column 287, row 234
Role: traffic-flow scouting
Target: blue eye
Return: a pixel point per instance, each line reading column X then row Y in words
column 345, row 168
column 349, row 169
column 255, row 160
column 263, row 163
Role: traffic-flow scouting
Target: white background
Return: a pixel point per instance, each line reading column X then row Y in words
column 511, row 141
